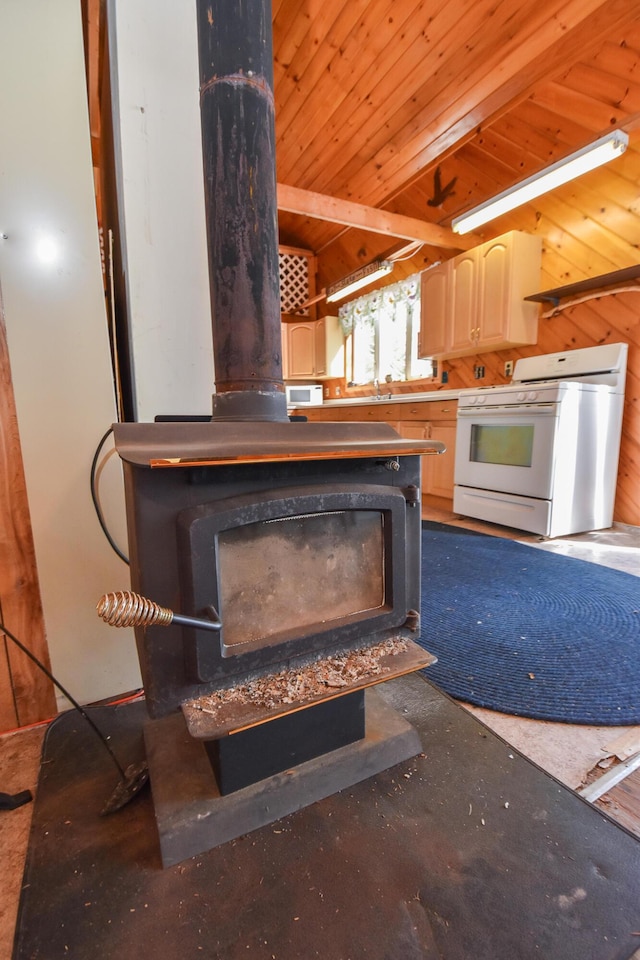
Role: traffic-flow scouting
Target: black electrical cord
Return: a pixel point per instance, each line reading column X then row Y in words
column 133, row 778
column 94, row 497
column 66, row 693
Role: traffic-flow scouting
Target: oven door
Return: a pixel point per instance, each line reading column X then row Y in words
column 507, row 448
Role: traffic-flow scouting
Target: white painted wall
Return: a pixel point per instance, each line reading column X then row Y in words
column 154, row 69
column 58, row 344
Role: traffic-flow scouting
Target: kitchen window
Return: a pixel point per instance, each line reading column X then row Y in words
column 382, row 335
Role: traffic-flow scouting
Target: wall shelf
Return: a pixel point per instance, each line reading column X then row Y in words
column 605, row 280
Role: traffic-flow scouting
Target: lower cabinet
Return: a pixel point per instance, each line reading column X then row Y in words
column 439, row 423
column 437, row 469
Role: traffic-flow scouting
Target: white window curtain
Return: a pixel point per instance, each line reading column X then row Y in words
column 384, row 327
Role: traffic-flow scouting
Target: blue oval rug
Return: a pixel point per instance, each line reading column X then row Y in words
column 528, row 632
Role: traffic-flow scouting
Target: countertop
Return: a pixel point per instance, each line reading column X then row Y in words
column 427, row 395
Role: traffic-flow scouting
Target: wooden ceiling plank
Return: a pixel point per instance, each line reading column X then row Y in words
column 620, row 56
column 321, row 116
column 536, row 140
column 496, row 94
column 400, row 72
column 566, row 133
column 300, row 48
column 311, row 204
column 289, row 28
column 464, row 55
column 580, row 107
column 308, row 66
column 619, row 93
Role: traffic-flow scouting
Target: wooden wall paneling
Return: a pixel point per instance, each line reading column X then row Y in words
column 597, row 248
column 27, row 695
column 622, row 312
column 611, row 232
column 576, row 239
column 618, row 186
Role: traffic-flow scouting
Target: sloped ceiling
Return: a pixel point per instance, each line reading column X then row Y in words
column 379, row 102
column 374, row 96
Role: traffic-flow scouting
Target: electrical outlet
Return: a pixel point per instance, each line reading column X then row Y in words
column 508, row 368
column 478, row 372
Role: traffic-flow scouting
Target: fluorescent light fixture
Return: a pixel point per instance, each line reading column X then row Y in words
column 359, row 278
column 588, row 158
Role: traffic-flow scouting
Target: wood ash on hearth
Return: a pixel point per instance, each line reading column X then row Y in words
column 306, row 683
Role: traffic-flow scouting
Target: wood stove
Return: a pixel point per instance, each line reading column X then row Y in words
column 304, row 538
column 299, row 541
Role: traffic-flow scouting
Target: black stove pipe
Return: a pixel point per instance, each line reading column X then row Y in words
column 238, row 141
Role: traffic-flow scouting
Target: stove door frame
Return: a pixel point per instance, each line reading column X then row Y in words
column 207, row 658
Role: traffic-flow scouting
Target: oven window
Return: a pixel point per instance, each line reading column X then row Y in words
column 509, row 444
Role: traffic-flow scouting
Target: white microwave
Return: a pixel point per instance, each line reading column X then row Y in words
column 304, row 395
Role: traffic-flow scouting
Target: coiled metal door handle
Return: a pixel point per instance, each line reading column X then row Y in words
column 123, row 608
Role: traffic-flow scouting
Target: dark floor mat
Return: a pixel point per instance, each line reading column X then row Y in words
column 467, row 850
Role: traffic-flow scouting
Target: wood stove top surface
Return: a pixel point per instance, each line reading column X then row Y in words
column 222, row 442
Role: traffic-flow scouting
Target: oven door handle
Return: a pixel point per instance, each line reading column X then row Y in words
column 512, row 410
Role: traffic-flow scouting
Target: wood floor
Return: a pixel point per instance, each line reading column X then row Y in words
column 569, row 753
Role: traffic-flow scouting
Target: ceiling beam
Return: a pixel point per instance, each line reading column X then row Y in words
column 349, row 214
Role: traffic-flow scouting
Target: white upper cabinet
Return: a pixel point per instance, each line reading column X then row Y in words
column 475, row 302
column 313, row 349
column 434, row 324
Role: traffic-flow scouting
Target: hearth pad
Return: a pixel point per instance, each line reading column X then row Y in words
column 193, row 817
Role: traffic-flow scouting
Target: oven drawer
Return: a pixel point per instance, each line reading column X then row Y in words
column 523, row 513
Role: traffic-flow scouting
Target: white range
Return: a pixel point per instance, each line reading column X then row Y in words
column 541, row 453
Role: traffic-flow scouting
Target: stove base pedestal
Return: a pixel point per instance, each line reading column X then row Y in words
column 266, row 749
column 193, row 817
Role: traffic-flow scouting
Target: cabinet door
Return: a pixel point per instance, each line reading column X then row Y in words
column 319, row 348
column 464, row 286
column 435, row 310
column 301, row 350
column 437, row 470
column 494, row 302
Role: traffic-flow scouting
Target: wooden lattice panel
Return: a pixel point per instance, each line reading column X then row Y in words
column 294, row 283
